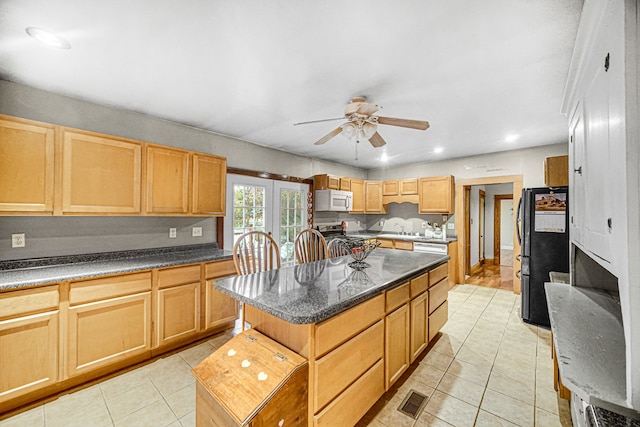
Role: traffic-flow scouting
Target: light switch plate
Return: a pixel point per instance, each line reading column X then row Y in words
column 172, row 233
column 196, row 232
column 17, row 240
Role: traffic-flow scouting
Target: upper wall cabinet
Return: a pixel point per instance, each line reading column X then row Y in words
column 436, row 194
column 373, row 197
column 167, row 180
column 357, row 188
column 209, row 184
column 26, row 166
column 400, row 187
column 326, row 182
column 100, row 174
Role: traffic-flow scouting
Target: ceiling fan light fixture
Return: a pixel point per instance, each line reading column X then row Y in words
column 368, row 129
column 349, row 130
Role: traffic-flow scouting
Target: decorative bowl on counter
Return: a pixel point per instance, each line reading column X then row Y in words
column 359, row 249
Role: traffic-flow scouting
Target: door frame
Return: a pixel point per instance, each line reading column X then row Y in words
column 461, row 203
column 481, row 226
column 497, row 221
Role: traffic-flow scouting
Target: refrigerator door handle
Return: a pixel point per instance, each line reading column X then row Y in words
column 519, row 221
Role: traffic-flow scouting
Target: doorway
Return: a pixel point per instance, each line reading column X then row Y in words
column 463, row 214
column 503, row 229
column 278, row 208
column 481, row 210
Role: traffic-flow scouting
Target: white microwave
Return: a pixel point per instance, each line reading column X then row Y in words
column 333, row 200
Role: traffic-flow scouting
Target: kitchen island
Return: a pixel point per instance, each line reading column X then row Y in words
column 359, row 329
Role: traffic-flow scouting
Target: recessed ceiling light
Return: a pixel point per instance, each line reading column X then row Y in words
column 384, row 157
column 438, row 150
column 48, row 38
column 511, row 138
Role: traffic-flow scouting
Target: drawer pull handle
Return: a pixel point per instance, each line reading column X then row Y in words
column 280, row 357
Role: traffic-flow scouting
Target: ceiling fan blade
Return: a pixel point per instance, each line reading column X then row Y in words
column 376, row 140
column 319, row 121
column 367, row 109
column 405, row 123
column 328, row 136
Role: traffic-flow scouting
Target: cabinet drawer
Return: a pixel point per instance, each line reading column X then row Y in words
column 109, row 287
column 18, row 303
column 438, row 273
column 438, row 294
column 437, row 319
column 333, row 332
column 396, row 297
column 355, row 401
column 385, row 243
column 335, row 371
column 405, row 245
column 419, row 284
column 178, row 276
column 214, row 270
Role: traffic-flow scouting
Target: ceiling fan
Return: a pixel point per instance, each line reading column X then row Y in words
column 361, row 122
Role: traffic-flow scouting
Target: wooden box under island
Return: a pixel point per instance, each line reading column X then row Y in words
column 359, row 329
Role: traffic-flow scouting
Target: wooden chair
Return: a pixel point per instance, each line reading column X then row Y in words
column 255, row 251
column 310, row 246
column 337, row 248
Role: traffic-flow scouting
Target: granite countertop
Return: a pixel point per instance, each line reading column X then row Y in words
column 33, row 272
column 313, row 292
column 387, row 235
column 590, row 346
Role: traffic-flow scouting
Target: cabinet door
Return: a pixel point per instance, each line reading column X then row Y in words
column 390, row 188
column 577, row 190
column 209, row 184
column 345, row 184
column 373, row 197
column 436, row 194
column 396, row 352
column 357, row 187
column 29, row 354
column 408, row 186
column 100, row 174
column 26, row 166
column 105, row 332
column 419, row 330
column 178, row 314
column 167, row 180
column 220, row 308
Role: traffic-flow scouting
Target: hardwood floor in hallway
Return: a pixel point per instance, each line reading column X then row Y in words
column 492, row 276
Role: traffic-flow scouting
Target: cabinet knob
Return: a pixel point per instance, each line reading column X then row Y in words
column 609, row 224
column 579, row 170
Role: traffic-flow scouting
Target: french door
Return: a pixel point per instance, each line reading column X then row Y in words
column 275, row 207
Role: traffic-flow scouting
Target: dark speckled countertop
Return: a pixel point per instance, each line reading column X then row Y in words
column 33, row 272
column 316, row 291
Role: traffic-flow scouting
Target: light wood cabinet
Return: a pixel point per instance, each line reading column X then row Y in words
column 400, row 187
column 436, row 194
column 345, row 184
column 219, row 309
column 100, row 174
column 397, row 351
column 29, row 337
column 419, row 333
column 452, row 251
column 357, row 188
column 437, row 319
column 167, row 180
column 209, row 185
column 26, row 166
column 326, row 182
column 178, row 307
column 106, row 323
column 373, row 197
column 556, row 171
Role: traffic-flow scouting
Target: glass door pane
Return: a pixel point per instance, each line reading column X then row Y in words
column 292, row 217
column 249, row 206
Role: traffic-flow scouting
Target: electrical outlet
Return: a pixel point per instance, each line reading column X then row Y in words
column 196, row 232
column 451, row 226
column 172, row 233
column 381, row 222
column 17, row 240
column 444, row 218
column 424, row 225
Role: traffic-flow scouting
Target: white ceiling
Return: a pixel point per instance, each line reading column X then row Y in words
column 476, row 70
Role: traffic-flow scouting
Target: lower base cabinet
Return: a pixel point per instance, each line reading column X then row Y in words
column 397, row 355
column 106, row 332
column 419, row 325
column 178, row 313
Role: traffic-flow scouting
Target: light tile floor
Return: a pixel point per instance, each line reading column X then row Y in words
column 488, row 368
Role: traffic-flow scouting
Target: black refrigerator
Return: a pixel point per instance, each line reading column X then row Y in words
column 543, row 234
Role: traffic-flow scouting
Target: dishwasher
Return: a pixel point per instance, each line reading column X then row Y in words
column 432, row 248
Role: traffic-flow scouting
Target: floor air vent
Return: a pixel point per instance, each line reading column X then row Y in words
column 413, row 404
